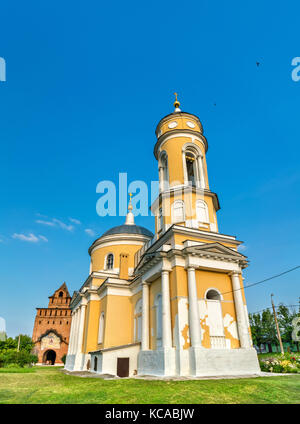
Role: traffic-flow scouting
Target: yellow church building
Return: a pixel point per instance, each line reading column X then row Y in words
column 173, row 303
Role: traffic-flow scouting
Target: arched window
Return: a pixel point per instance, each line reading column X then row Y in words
column 202, row 211
column 60, row 294
column 178, row 213
column 138, row 320
column 215, row 319
column 191, row 168
column 101, row 328
column 110, row 261
column 164, row 171
column 158, row 316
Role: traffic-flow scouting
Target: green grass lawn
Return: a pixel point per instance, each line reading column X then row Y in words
column 51, row 385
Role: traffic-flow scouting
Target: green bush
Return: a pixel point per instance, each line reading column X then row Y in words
column 20, row 359
column 63, row 358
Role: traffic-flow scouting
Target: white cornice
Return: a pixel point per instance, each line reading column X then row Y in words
column 114, row 239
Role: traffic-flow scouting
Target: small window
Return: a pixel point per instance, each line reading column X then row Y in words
column 110, row 261
column 60, row 294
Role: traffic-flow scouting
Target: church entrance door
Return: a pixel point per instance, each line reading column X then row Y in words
column 49, row 357
column 123, row 367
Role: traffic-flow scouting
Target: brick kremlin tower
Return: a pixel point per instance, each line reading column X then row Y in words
column 52, row 328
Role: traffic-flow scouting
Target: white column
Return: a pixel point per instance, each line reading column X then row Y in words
column 145, row 317
column 166, row 310
column 71, row 337
column 194, row 319
column 81, row 328
column 201, row 172
column 240, row 311
column 185, row 177
column 76, row 316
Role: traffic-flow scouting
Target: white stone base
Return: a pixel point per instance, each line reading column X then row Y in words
column 77, row 362
column 198, row 362
column 157, row 362
column 70, row 360
column 193, row 362
column 222, row 362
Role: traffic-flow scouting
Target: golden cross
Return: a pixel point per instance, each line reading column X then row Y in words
column 130, row 194
column 175, row 94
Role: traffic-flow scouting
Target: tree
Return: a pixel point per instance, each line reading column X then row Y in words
column 269, row 329
column 255, row 321
column 285, row 318
column 26, row 342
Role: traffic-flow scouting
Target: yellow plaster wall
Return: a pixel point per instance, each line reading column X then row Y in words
column 98, row 255
column 123, row 266
column 119, row 318
column 91, row 324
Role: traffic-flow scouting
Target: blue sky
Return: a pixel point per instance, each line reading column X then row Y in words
column 87, row 83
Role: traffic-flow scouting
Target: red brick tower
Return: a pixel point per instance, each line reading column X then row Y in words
column 52, row 328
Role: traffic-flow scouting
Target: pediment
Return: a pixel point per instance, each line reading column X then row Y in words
column 214, row 248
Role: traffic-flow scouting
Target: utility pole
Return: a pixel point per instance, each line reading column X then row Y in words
column 277, row 327
column 19, row 343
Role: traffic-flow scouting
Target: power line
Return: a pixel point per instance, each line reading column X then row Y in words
column 262, row 310
column 263, row 281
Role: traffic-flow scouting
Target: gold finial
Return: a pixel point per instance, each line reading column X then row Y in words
column 176, row 103
column 130, row 205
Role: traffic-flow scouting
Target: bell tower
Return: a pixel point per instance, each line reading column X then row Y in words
column 184, row 194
